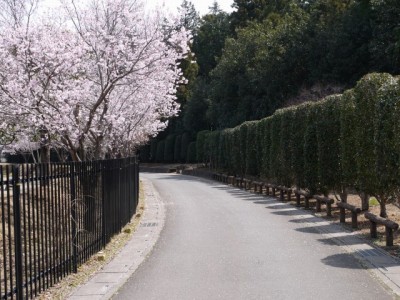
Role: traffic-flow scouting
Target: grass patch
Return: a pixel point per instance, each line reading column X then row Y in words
column 373, row 201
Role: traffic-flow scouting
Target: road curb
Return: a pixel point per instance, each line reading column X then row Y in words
column 105, row 283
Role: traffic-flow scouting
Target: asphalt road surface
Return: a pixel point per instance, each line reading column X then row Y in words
column 220, row 242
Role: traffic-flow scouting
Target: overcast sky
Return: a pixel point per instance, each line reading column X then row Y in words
column 201, row 5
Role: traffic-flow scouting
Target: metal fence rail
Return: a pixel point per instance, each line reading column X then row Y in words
column 55, row 216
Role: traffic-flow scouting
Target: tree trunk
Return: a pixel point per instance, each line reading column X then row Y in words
column 89, row 181
column 343, row 197
column 382, row 204
column 364, row 201
column 44, row 154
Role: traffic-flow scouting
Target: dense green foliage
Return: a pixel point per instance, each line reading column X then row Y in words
column 160, row 151
column 177, row 149
column 169, row 148
column 266, row 55
column 191, row 153
column 344, row 141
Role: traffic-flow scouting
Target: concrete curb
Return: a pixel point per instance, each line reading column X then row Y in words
column 105, row 283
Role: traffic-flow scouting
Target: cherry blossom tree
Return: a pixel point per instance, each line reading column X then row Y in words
column 17, row 13
column 101, row 83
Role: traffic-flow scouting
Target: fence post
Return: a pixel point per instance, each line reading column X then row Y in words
column 73, row 216
column 17, row 231
column 137, row 181
column 103, row 204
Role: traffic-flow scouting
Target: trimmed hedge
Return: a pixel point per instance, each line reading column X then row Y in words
column 160, row 151
column 177, row 149
column 252, row 158
column 153, row 150
column 184, row 146
column 328, row 138
column 348, row 141
column 201, row 149
column 344, row 141
column 191, row 153
column 169, row 149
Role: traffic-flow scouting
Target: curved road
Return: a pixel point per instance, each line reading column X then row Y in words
column 220, row 242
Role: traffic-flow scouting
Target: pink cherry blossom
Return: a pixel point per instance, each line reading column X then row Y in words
column 101, row 83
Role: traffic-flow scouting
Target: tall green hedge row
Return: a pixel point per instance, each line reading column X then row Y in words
column 348, row 141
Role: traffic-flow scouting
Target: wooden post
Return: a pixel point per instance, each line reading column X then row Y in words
column 329, row 209
column 282, row 197
column 273, row 192
column 342, row 215
column 318, row 206
column 306, row 202
column 289, row 195
column 354, row 220
column 389, row 236
column 374, row 233
column 297, row 199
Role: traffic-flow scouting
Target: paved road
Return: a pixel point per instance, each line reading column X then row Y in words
column 223, row 243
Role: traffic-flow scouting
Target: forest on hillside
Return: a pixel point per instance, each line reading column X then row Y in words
column 269, row 54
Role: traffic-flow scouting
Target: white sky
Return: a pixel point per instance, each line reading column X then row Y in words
column 201, row 5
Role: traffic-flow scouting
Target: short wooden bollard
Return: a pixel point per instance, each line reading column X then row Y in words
column 327, row 201
column 261, row 187
column 390, row 226
column 306, row 196
column 273, row 188
column 288, row 192
column 238, row 182
column 258, row 187
column 354, row 213
column 282, row 194
column 247, row 184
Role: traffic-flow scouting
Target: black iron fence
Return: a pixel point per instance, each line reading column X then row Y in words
column 55, row 216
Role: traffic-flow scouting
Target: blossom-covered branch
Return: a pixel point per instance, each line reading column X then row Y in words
column 101, row 84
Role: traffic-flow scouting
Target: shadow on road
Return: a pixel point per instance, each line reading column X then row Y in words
column 320, row 228
column 306, row 220
column 338, row 241
column 292, row 212
column 263, row 202
column 344, row 260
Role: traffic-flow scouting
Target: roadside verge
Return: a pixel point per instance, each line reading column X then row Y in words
column 113, row 275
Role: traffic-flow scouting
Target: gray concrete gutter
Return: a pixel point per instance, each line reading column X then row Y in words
column 112, row 276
